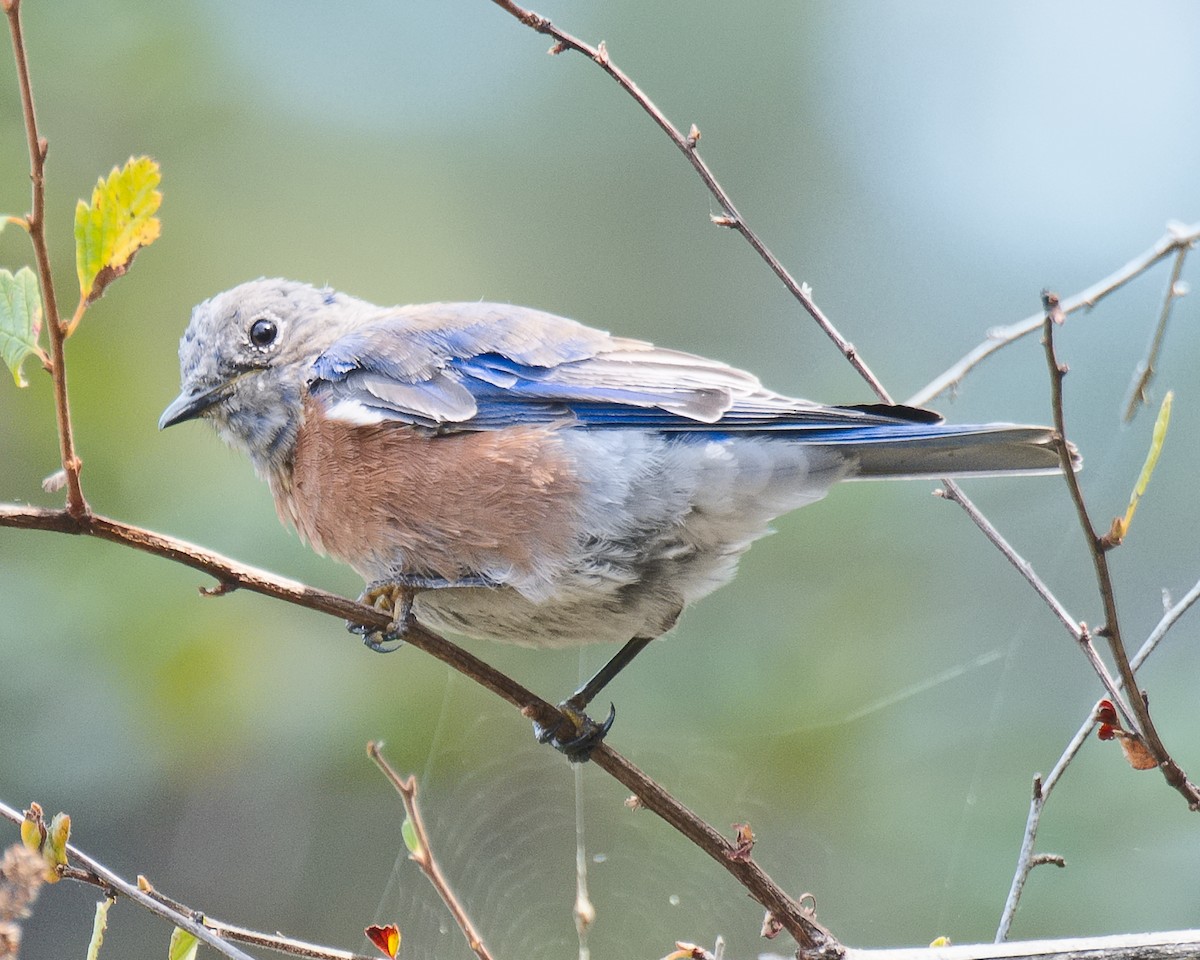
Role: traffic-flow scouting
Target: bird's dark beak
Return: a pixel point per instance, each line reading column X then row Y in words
column 189, row 405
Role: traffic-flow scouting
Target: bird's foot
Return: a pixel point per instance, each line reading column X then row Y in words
column 575, row 735
column 394, row 596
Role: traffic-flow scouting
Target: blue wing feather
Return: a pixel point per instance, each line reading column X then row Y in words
column 487, row 366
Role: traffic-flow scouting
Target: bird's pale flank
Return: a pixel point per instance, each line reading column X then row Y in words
column 539, row 481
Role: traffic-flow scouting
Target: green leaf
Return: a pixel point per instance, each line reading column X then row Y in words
column 183, row 945
column 409, row 832
column 20, row 320
column 1120, row 526
column 119, row 221
column 99, row 925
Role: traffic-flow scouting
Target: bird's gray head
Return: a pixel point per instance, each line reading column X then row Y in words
column 246, row 358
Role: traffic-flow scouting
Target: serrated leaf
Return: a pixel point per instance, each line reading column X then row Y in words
column 183, row 945
column 408, row 831
column 20, row 320
column 99, row 925
column 119, row 221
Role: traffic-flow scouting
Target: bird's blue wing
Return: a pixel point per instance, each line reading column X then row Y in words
column 481, row 366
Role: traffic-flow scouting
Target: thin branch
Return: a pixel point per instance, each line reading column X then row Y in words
column 687, row 145
column 36, row 224
column 1168, row 945
column 953, row 492
column 423, row 856
column 1178, row 237
column 232, row 575
column 1143, row 375
column 1042, row 789
column 101, row 876
column 1099, row 553
column 95, row 874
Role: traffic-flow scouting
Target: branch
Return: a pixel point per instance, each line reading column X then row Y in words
column 1042, row 789
column 687, row 145
column 1177, row 238
column 1169, row 945
column 112, row 881
column 36, row 224
column 1143, row 375
column 421, row 853
column 231, row 575
column 213, row 932
column 1098, row 549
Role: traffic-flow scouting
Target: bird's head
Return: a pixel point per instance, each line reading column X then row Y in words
column 246, row 359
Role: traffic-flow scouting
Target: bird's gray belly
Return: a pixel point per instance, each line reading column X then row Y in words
column 662, row 524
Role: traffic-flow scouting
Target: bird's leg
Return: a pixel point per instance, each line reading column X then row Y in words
column 394, row 596
column 577, row 734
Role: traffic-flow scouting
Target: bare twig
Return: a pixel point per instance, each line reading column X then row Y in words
column 277, row 941
column 1143, row 375
column 423, row 856
column 1042, row 788
column 687, row 145
column 1177, row 238
column 233, row 575
column 211, row 931
column 952, row 491
column 36, row 224
column 1098, row 549
column 97, row 874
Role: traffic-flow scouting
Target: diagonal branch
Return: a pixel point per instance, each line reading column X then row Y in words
column 231, row 575
column 1143, row 375
column 687, row 145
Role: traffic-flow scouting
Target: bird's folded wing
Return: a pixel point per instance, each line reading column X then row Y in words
column 481, row 366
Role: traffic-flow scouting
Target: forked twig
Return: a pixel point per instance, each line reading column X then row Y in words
column 1026, row 859
column 1098, row 550
column 1177, row 238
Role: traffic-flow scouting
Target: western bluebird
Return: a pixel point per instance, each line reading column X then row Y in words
column 508, row 474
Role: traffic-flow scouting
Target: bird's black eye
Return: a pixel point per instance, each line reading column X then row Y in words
column 263, row 332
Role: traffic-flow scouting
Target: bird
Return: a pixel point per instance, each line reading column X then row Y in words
column 507, row 474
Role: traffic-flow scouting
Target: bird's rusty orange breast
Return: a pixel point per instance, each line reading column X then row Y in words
column 448, row 506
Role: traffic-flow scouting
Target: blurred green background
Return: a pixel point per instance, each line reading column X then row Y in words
column 876, row 689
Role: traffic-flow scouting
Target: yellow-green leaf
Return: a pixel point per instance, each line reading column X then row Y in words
column 119, row 221
column 1120, row 527
column 99, row 925
column 20, row 320
column 33, row 829
column 55, row 849
column 183, row 945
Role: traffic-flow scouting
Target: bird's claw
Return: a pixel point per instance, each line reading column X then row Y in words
column 575, row 735
column 394, row 599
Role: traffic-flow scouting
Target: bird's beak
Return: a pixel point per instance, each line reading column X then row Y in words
column 190, row 404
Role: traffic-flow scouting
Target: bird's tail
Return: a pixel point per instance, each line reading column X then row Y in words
column 953, row 450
